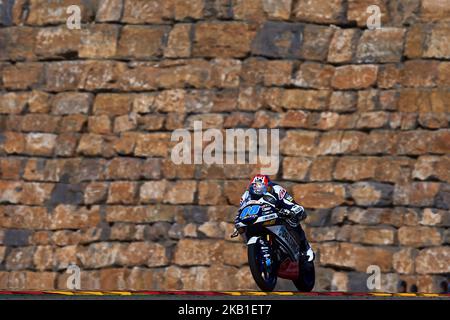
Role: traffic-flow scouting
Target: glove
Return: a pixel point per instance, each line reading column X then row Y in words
column 299, row 212
column 234, row 234
column 285, row 213
column 295, row 212
column 293, row 216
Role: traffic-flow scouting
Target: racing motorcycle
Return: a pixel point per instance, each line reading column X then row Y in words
column 273, row 247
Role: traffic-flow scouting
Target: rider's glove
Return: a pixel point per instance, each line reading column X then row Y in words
column 293, row 216
column 234, row 234
column 299, row 212
column 285, row 213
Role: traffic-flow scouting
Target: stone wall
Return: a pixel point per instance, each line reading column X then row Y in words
column 86, row 118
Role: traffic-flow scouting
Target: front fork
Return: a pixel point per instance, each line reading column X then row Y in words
column 266, row 251
column 266, row 255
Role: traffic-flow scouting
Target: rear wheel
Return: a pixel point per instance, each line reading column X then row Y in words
column 307, row 276
column 263, row 268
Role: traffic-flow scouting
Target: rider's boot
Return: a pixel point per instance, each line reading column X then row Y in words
column 305, row 248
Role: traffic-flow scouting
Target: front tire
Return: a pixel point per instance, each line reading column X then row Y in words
column 306, row 278
column 266, row 280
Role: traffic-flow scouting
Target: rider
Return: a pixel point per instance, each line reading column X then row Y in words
column 261, row 185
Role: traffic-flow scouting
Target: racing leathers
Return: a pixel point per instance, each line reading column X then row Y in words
column 288, row 208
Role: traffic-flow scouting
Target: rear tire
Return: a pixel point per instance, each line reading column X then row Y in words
column 256, row 269
column 306, row 278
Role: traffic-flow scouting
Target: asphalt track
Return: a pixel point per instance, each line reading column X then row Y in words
column 213, row 295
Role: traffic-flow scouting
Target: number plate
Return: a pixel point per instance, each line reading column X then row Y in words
column 249, row 212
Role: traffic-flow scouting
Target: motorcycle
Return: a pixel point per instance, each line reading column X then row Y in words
column 273, row 246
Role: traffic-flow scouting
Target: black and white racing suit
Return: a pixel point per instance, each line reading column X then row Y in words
column 293, row 212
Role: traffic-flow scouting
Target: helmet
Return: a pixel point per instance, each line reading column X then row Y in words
column 258, row 186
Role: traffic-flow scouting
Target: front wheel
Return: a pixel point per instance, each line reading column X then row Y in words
column 306, row 278
column 262, row 267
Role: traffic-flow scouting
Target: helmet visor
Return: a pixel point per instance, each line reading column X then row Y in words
column 259, row 188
